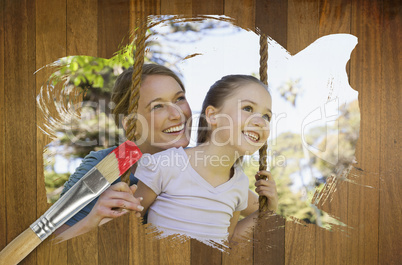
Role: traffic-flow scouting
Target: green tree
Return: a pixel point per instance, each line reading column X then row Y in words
column 285, row 154
column 75, row 100
column 343, row 137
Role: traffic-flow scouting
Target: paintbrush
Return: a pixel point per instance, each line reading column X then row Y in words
column 90, row 186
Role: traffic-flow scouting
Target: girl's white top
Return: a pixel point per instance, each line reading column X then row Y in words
column 186, row 203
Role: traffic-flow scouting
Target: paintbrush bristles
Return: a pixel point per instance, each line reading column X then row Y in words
column 109, row 167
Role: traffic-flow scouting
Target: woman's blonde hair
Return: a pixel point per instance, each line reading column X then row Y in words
column 121, row 90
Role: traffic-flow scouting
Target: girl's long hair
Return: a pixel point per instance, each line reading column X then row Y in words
column 215, row 97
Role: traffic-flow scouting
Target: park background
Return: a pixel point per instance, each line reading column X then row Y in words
column 37, row 33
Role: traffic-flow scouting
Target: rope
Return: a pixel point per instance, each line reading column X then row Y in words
column 138, row 51
column 263, row 59
column 263, row 201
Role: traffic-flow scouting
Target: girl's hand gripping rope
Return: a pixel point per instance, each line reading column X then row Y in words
column 267, row 187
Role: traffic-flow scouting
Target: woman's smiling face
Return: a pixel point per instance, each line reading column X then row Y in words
column 164, row 116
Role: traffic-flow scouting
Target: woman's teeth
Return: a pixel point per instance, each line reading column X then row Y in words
column 252, row 135
column 174, row 129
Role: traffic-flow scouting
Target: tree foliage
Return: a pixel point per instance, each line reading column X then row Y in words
column 285, row 165
column 94, row 128
column 89, row 126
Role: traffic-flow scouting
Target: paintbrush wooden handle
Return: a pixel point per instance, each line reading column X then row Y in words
column 19, row 248
column 91, row 185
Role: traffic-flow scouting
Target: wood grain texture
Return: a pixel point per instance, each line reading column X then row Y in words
column 113, row 238
column 175, row 251
column 20, row 247
column 3, row 223
column 243, row 11
column 334, row 17
column 241, row 253
column 203, row 254
column 390, row 219
column 82, row 27
column 50, row 253
column 81, row 39
column 141, row 9
column 83, row 249
column 20, row 120
column 303, row 18
column 365, row 76
column 269, row 235
column 113, row 26
column 374, row 72
column 152, row 252
column 145, row 248
column 136, row 241
column 269, row 239
column 113, row 32
column 176, row 7
column 207, row 7
column 331, row 245
column 50, row 45
column 300, row 241
column 51, row 17
column 271, row 17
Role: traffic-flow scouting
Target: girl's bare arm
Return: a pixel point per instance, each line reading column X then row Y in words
column 233, row 223
column 265, row 188
column 252, row 204
column 147, row 194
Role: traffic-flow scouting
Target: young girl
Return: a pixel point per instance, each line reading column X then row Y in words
column 156, row 134
column 200, row 191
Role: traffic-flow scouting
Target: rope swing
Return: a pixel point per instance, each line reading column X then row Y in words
column 263, row 201
column 138, row 51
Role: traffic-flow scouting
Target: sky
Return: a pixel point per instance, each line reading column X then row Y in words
column 319, row 69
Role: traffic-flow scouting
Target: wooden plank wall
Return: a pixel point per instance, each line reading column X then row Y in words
column 3, row 225
column 19, row 118
column 363, row 202
column 333, row 17
column 50, row 45
column 34, row 33
column 389, row 236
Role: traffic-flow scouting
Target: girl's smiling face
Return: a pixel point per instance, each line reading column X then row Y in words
column 164, row 116
column 243, row 119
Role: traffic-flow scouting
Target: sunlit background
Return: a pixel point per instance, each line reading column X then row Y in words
column 316, row 119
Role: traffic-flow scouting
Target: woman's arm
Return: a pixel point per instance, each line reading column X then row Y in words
column 90, row 161
column 116, row 201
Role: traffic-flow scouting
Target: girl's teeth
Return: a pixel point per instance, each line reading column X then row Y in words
column 174, row 129
column 252, row 136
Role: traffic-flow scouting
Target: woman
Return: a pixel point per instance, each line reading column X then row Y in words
column 157, row 130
